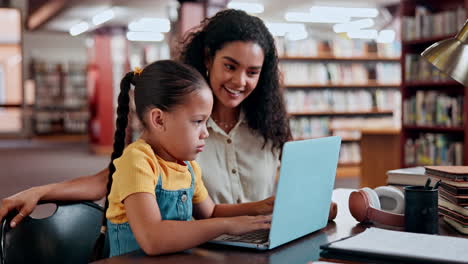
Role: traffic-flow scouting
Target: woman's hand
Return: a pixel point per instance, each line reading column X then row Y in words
column 264, row 207
column 24, row 202
column 244, row 224
column 333, row 211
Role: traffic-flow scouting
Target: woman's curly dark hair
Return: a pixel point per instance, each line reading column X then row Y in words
column 264, row 108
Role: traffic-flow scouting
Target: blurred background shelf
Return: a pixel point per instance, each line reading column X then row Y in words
column 434, row 108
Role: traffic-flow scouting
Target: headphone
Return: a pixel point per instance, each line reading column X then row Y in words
column 384, row 205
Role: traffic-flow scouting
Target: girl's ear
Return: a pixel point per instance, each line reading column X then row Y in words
column 157, row 119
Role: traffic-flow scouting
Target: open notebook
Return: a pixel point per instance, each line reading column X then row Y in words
column 387, row 245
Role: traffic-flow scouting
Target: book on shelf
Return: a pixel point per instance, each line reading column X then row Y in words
column 418, row 69
column 346, row 127
column 454, row 173
column 341, row 100
column 432, row 108
column 338, row 47
column 407, row 176
column 426, row 24
column 321, row 73
column 431, row 148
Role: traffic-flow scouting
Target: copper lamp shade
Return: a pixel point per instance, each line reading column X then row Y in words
column 451, row 56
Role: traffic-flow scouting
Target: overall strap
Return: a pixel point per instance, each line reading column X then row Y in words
column 159, row 184
column 191, row 173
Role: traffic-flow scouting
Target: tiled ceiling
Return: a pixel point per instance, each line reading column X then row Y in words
column 127, row 11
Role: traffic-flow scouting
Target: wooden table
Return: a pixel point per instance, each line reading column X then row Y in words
column 299, row 251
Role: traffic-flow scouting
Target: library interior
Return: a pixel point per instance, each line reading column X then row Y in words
column 361, row 70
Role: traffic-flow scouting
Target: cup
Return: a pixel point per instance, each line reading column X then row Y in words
column 421, row 210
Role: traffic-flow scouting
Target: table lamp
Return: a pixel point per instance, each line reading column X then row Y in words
column 451, row 55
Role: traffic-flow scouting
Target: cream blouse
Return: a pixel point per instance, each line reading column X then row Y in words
column 235, row 167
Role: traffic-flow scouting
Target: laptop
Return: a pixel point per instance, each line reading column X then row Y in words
column 303, row 194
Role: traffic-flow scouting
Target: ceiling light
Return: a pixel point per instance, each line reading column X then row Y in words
column 386, row 36
column 103, row 17
column 363, row 34
column 344, row 11
column 254, row 8
column 315, row 18
column 280, row 29
column 144, row 36
column 79, row 28
column 150, row 24
column 353, row 25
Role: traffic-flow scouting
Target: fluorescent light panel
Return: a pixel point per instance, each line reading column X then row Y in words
column 79, row 28
column 344, row 11
column 144, row 36
column 254, row 8
column 315, row 18
column 280, row 29
column 353, row 25
column 103, row 17
column 150, row 25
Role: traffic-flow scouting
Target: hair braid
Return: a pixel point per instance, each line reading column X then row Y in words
column 119, row 145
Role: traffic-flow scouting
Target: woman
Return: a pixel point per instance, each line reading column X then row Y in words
column 248, row 126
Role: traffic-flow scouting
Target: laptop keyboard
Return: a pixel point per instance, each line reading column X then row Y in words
column 256, row 237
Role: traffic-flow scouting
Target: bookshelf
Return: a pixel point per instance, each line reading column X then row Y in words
column 61, row 98
column 434, row 107
column 333, row 113
column 335, row 58
column 338, row 87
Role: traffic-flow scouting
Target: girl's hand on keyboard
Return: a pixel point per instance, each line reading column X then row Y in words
column 244, row 224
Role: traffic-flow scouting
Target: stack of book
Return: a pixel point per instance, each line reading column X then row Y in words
column 453, row 194
column 414, row 176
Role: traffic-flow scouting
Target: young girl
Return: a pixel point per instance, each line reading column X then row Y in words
column 155, row 186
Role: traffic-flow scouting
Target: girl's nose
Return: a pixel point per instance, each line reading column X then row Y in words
column 204, row 133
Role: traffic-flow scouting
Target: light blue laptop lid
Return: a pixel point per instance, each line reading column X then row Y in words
column 305, row 186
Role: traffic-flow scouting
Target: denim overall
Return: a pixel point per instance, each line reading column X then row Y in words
column 173, row 205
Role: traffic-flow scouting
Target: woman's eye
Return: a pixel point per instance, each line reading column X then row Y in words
column 229, row 67
column 254, row 73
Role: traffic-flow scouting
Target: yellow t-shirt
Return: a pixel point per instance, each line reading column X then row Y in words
column 138, row 170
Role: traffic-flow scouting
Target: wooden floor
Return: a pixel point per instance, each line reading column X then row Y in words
column 27, row 163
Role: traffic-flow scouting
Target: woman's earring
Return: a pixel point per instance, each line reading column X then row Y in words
column 207, row 72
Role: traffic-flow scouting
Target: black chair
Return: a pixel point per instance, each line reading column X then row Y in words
column 67, row 236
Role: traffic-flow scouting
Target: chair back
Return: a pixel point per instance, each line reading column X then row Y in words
column 67, row 236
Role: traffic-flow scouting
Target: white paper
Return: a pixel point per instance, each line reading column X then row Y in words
column 397, row 243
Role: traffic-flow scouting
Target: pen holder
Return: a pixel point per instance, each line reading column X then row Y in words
column 421, row 210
